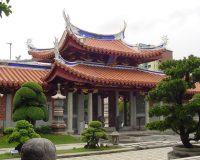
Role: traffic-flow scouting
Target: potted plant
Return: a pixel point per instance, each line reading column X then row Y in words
column 180, row 107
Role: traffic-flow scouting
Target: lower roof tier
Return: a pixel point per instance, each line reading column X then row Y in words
column 95, row 75
column 103, row 75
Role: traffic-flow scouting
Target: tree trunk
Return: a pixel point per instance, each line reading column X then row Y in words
column 33, row 122
column 185, row 140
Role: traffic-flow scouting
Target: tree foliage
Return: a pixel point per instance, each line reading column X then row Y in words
column 93, row 133
column 178, row 110
column 22, row 132
column 30, row 103
column 5, row 8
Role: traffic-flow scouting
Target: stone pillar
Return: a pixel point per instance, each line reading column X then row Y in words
column 117, row 102
column 146, row 112
column 161, row 104
column 80, row 115
column 133, row 117
column 99, row 105
column 125, row 111
column 8, row 110
column 70, row 112
column 90, row 118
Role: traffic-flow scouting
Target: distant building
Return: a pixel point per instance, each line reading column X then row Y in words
column 154, row 65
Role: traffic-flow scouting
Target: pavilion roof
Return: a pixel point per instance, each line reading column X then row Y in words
column 112, row 44
column 98, row 74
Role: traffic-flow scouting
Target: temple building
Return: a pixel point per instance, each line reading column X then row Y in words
column 98, row 74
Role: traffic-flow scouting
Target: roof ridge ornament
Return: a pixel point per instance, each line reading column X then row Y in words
column 120, row 35
column 67, row 21
column 29, row 44
column 56, row 48
column 164, row 40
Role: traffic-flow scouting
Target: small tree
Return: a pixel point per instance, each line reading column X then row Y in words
column 178, row 110
column 30, row 103
column 5, row 8
column 21, row 133
column 92, row 134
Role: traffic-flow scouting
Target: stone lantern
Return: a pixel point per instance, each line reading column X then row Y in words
column 114, row 137
column 58, row 124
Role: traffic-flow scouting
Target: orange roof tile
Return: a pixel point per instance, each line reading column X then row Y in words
column 119, row 48
column 11, row 76
column 112, row 76
column 115, row 47
column 195, row 90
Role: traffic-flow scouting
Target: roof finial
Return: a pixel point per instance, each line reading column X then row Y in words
column 29, row 43
column 56, row 49
column 120, row 35
column 164, row 40
column 67, row 21
column 125, row 25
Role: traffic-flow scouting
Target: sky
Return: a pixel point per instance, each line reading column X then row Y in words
column 147, row 22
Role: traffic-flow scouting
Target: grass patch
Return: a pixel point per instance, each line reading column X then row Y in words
column 8, row 156
column 61, row 139
column 55, row 138
column 4, row 143
column 79, row 150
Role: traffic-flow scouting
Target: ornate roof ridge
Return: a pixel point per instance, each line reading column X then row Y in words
column 96, row 64
column 142, row 46
column 26, row 65
column 86, row 34
column 30, row 46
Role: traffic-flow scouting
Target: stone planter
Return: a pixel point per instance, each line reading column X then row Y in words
column 179, row 151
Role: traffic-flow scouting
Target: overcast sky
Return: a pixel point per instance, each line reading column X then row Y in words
column 147, row 22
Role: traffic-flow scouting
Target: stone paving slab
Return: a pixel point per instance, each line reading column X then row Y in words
column 148, row 154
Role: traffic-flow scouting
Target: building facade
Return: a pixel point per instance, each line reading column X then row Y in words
column 154, row 65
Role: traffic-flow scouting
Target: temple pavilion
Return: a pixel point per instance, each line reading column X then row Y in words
column 98, row 74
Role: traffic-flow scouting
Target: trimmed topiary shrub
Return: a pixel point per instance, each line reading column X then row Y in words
column 92, row 134
column 22, row 132
column 43, row 129
column 30, row 103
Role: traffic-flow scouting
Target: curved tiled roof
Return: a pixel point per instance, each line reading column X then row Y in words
column 102, row 46
column 88, row 73
column 15, row 77
column 110, row 75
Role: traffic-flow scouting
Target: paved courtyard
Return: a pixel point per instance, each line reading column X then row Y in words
column 148, row 154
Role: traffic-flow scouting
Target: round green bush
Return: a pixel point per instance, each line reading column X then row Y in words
column 46, row 113
column 93, row 133
column 22, row 132
column 26, row 93
column 35, row 113
column 34, row 86
column 41, row 98
column 30, row 103
column 19, row 114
